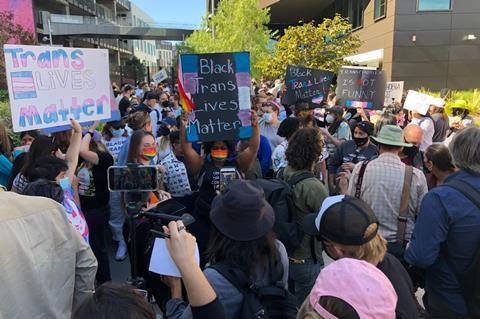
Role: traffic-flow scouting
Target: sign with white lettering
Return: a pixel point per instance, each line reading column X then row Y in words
column 218, row 87
column 393, row 92
column 363, row 88
column 306, row 84
column 49, row 85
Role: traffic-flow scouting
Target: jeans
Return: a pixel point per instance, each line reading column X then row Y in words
column 302, row 277
column 117, row 216
column 97, row 221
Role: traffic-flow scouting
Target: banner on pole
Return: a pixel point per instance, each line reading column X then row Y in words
column 48, row 86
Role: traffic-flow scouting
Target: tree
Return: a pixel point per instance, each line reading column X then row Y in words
column 318, row 46
column 11, row 33
column 237, row 25
column 136, row 69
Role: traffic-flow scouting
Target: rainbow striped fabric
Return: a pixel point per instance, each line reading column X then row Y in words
column 185, row 99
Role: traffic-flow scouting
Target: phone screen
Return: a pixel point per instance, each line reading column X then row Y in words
column 132, row 178
column 227, row 175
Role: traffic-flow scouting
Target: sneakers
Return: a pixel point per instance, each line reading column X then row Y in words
column 121, row 251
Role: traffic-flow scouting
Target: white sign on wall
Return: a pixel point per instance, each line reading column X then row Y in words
column 48, row 86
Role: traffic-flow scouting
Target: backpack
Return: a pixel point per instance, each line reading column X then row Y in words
column 269, row 302
column 279, row 194
column 470, row 279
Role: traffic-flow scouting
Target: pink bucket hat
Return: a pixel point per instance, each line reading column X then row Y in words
column 358, row 283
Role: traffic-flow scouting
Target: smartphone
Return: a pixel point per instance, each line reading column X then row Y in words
column 227, row 175
column 133, row 178
column 170, row 207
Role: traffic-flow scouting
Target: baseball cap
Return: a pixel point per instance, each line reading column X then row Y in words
column 366, row 126
column 342, row 219
column 358, row 283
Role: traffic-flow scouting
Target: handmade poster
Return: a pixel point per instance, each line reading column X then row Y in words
column 162, row 263
column 160, row 76
column 393, row 92
column 49, row 85
column 215, row 92
column 363, row 88
column 419, row 102
column 307, row 84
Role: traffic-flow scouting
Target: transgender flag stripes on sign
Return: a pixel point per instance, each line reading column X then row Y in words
column 23, row 86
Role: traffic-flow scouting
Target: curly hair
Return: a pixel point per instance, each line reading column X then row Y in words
column 304, row 148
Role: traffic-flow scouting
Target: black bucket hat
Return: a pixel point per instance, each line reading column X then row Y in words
column 242, row 213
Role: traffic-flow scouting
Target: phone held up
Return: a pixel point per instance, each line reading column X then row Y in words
column 227, row 175
column 133, row 178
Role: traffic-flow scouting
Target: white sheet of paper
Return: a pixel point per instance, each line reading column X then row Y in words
column 418, row 101
column 161, row 261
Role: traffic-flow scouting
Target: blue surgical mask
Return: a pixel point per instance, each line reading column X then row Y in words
column 64, row 183
column 118, row 133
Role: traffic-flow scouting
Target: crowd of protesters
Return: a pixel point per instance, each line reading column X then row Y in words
column 392, row 196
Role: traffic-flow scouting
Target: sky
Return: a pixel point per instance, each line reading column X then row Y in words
column 174, row 12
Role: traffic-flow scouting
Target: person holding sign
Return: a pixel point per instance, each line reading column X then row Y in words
column 218, row 155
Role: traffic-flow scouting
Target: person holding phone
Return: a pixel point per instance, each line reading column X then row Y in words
column 218, row 155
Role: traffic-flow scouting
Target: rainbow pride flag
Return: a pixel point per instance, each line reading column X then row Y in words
column 185, row 99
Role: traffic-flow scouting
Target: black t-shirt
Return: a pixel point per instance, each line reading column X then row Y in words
column 93, row 182
column 209, row 180
column 401, row 282
column 123, row 105
column 348, row 152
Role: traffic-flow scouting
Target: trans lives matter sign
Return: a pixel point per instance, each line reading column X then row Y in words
column 49, row 85
column 218, row 85
column 363, row 88
column 308, row 84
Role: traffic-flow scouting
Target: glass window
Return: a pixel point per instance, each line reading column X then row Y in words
column 380, row 9
column 352, row 9
column 434, row 5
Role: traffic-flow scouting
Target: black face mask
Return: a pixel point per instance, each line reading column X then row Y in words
column 411, row 152
column 165, row 103
column 163, row 130
column 360, row 141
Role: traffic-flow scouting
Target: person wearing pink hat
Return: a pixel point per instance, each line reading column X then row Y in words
column 350, row 288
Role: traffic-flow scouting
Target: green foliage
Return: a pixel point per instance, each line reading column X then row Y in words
column 472, row 97
column 135, row 63
column 318, row 46
column 237, row 25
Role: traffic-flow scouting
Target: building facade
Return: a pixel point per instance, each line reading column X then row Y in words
column 426, row 43
column 144, row 50
column 165, row 54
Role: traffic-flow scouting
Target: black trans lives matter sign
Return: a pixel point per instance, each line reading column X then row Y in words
column 363, row 88
column 306, row 84
column 219, row 87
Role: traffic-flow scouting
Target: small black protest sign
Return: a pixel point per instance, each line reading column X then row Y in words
column 307, row 84
column 217, row 86
column 357, row 87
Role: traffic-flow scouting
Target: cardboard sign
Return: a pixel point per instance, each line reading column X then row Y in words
column 393, row 92
column 308, row 84
column 218, row 85
column 363, row 88
column 419, row 102
column 49, row 85
column 160, row 76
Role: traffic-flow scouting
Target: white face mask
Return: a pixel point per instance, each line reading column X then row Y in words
column 267, row 117
column 330, row 119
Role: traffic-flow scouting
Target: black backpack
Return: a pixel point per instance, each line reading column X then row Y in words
column 279, row 194
column 470, row 279
column 269, row 302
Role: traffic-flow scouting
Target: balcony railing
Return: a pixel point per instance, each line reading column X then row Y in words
column 125, row 4
column 87, row 5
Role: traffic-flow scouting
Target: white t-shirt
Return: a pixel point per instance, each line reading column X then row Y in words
column 428, row 128
column 278, row 156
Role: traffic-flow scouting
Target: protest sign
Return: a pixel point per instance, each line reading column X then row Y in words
column 160, row 76
column 161, row 261
column 307, row 84
column 357, row 87
column 49, row 85
column 393, row 92
column 217, row 89
column 419, row 102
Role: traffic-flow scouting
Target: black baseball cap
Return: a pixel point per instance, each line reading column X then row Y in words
column 342, row 219
column 366, row 126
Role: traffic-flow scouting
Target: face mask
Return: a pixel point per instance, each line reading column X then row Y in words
column 330, row 119
column 360, row 141
column 219, row 155
column 267, row 117
column 348, row 116
column 411, row 152
column 149, row 153
column 118, row 133
column 64, row 183
column 165, row 103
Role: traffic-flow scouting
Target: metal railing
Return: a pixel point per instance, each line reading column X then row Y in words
column 88, row 5
column 124, row 3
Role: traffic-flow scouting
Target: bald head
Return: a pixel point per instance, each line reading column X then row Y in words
column 413, row 134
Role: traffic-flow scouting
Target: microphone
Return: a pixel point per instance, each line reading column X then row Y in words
column 187, row 219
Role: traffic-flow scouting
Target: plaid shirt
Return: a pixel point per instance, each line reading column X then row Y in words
column 382, row 189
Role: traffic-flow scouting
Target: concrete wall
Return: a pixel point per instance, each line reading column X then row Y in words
column 378, row 34
column 440, row 57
